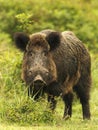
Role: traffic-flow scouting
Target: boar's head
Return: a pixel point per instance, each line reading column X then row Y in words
column 38, row 68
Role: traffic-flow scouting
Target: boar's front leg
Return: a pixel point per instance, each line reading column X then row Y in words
column 52, row 102
column 68, row 98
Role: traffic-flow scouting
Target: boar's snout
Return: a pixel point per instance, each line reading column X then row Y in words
column 38, row 81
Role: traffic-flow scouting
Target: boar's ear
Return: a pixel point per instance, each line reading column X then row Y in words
column 21, row 40
column 53, row 39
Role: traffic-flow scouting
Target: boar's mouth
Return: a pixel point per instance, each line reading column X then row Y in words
column 38, row 82
column 37, row 87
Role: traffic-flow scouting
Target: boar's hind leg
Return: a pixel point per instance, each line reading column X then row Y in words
column 68, row 99
column 82, row 91
column 52, row 102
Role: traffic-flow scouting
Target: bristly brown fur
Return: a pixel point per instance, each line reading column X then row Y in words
column 64, row 65
column 38, row 40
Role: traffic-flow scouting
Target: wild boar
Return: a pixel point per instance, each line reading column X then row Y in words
column 56, row 63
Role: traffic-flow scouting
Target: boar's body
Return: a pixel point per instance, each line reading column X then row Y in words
column 72, row 60
column 68, row 65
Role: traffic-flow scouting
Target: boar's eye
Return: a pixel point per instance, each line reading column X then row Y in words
column 45, row 53
column 31, row 53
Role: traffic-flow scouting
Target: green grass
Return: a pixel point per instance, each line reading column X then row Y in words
column 18, row 112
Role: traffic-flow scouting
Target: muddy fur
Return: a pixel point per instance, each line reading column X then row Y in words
column 63, row 63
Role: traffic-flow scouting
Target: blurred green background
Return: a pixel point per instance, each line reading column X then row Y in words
column 79, row 16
